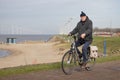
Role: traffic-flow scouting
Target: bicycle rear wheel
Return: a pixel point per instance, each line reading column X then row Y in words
column 68, row 63
column 91, row 61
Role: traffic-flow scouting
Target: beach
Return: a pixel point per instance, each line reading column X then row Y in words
column 29, row 54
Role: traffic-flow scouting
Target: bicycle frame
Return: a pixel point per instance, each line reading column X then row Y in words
column 74, row 49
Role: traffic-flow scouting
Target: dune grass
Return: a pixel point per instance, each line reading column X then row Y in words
column 112, row 44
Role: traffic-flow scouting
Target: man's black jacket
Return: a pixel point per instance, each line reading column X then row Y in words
column 84, row 27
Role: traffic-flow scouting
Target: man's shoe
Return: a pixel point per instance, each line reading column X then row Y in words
column 83, row 64
column 80, row 56
column 88, row 68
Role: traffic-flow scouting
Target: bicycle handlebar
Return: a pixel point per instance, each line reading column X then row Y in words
column 74, row 37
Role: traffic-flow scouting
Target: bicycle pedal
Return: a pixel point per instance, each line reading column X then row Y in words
column 88, row 68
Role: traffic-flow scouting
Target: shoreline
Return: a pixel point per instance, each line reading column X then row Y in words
column 28, row 54
column 5, row 53
column 26, row 37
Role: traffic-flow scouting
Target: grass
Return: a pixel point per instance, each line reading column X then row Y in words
column 43, row 67
column 108, row 58
column 27, row 69
column 112, row 44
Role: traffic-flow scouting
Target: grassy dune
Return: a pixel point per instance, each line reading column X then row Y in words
column 112, row 44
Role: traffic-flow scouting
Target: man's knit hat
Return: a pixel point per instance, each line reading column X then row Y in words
column 82, row 14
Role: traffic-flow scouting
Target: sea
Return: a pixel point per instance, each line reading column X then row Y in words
column 4, row 53
column 23, row 38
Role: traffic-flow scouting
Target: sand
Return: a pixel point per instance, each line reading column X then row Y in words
column 27, row 54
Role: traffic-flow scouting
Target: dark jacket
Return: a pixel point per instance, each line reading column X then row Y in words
column 84, row 27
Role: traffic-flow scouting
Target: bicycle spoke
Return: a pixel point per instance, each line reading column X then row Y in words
column 68, row 63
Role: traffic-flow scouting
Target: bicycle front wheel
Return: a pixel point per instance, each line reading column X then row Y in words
column 68, row 62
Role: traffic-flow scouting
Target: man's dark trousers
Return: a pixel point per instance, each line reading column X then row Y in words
column 80, row 42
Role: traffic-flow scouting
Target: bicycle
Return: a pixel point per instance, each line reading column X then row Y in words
column 71, row 60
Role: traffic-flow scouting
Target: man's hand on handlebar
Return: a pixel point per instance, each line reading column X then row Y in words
column 69, row 34
column 82, row 35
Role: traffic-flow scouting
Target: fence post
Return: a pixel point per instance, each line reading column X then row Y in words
column 104, row 47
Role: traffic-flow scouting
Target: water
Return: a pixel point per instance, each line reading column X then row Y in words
column 23, row 38
column 4, row 53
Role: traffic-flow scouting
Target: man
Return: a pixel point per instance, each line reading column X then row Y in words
column 84, row 30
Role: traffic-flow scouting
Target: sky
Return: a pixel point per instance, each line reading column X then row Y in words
column 55, row 16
